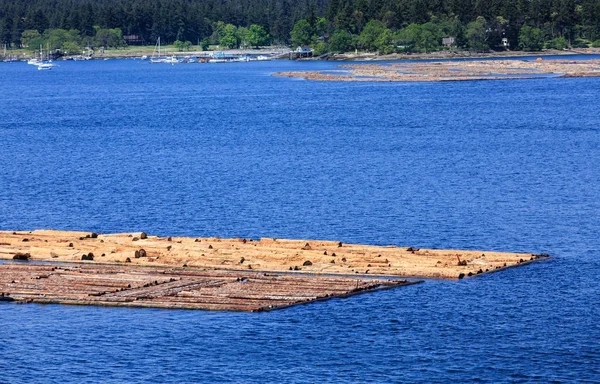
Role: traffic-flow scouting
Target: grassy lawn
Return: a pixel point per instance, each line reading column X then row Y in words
column 133, row 50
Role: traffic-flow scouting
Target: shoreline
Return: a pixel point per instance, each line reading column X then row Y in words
column 459, row 54
column 348, row 56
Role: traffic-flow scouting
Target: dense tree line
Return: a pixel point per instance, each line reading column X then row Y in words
column 326, row 24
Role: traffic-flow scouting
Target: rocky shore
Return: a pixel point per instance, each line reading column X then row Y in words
column 457, row 54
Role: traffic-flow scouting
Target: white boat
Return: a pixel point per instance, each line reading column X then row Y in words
column 172, row 60
column 157, row 59
column 41, row 64
column 33, row 61
column 263, row 58
column 243, row 59
column 45, row 66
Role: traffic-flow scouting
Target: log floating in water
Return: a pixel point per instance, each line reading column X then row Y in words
column 266, row 255
column 468, row 70
column 130, row 286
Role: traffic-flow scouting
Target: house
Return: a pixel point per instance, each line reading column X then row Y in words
column 134, row 40
column 301, row 52
column 304, row 49
column 448, row 42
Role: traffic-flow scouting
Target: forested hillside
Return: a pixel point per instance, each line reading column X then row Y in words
column 327, row 25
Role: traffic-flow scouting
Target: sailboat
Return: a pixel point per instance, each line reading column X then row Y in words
column 44, row 65
column 157, row 59
column 34, row 60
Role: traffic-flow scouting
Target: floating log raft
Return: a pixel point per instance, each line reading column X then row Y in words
column 265, row 255
column 134, row 286
column 455, row 71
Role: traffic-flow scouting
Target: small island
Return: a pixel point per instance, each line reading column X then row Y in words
column 134, row 269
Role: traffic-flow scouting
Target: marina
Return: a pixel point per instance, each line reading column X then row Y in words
column 209, row 57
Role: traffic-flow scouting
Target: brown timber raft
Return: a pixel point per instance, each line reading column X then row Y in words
column 215, row 273
column 455, row 71
column 129, row 286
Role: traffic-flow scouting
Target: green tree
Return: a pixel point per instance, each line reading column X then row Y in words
column 204, row 44
column 410, row 36
column 243, row 35
column 218, row 32
column 430, row 38
column 476, row 35
column 70, row 48
column 321, row 48
column 340, row 41
column 452, row 27
column 55, row 38
column 385, row 42
column 28, row 35
column 557, row 43
column 531, row 39
column 257, row 36
column 302, row 33
column 182, row 46
column 321, row 26
column 109, row 38
column 229, row 38
column 580, row 43
column 372, row 31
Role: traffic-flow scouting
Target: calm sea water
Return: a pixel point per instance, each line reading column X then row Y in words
column 228, row 150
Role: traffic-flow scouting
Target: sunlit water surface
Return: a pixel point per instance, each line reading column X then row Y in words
column 228, row 150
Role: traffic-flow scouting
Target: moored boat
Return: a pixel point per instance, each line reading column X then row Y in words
column 44, row 66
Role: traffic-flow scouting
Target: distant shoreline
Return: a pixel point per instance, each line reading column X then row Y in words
column 462, row 54
column 135, row 53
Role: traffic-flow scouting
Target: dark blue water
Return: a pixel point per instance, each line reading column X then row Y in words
column 228, row 150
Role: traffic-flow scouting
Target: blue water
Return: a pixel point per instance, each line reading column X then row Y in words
column 228, row 150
